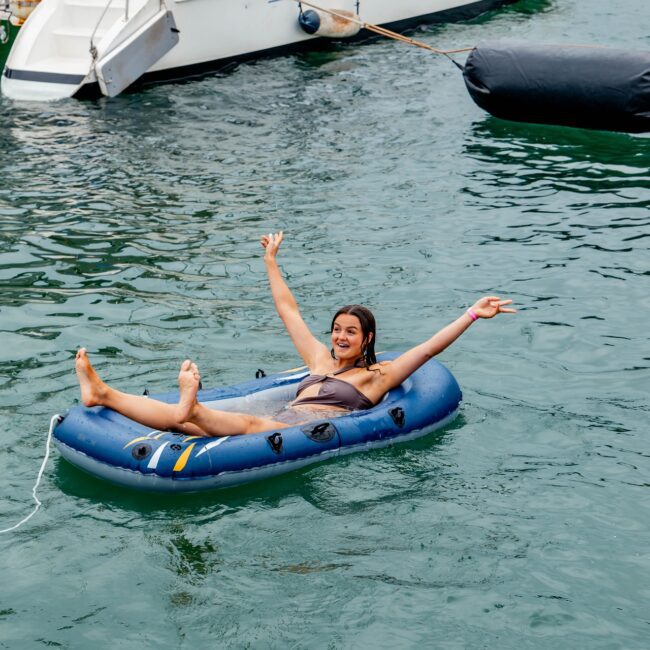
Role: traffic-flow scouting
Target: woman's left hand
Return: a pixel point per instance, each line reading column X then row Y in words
column 490, row 306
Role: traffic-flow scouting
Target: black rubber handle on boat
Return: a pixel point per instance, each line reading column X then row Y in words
column 275, row 440
column 398, row 416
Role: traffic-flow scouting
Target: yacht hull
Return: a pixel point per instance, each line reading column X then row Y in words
column 212, row 35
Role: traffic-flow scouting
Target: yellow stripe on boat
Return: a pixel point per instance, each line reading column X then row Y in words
column 182, row 461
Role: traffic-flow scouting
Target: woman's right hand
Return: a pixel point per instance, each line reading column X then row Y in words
column 271, row 244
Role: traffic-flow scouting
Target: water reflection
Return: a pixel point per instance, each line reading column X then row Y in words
column 529, row 7
column 577, row 160
column 566, row 183
column 204, row 506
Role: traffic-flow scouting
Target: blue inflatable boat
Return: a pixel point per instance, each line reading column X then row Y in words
column 110, row 446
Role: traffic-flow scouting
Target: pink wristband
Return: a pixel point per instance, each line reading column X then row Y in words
column 472, row 314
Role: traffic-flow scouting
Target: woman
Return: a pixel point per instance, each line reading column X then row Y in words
column 344, row 378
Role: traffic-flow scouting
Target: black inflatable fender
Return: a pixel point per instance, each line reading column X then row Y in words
column 571, row 85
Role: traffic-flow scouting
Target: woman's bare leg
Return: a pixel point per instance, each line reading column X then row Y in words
column 188, row 416
column 150, row 412
column 215, row 423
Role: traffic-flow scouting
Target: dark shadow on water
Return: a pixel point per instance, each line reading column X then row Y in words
column 606, row 146
column 529, row 7
column 76, row 483
column 322, row 56
column 542, row 158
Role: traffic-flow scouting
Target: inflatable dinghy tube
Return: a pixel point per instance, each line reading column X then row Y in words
column 112, row 447
column 327, row 25
column 579, row 86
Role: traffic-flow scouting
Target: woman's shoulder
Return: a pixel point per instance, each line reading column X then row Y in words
column 380, row 366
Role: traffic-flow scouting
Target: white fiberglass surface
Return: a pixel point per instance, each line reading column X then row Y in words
column 36, row 91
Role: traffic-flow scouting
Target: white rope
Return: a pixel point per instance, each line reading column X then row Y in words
column 53, row 421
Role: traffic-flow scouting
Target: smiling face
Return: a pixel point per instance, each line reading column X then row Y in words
column 348, row 337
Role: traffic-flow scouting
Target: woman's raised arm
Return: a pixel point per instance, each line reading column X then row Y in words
column 406, row 364
column 308, row 346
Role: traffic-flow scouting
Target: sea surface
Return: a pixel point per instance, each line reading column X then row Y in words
column 131, row 226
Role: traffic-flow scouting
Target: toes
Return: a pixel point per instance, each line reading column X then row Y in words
column 186, row 364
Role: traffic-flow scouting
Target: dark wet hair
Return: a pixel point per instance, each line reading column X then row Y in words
column 368, row 327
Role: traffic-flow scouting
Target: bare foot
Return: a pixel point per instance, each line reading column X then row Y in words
column 92, row 387
column 188, row 381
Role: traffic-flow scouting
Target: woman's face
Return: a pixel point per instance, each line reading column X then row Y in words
column 347, row 337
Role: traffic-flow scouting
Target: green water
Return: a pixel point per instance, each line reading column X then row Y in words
column 130, row 226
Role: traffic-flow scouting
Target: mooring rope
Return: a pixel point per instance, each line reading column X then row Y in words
column 53, row 422
column 388, row 33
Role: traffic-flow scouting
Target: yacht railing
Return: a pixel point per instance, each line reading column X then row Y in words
column 93, row 48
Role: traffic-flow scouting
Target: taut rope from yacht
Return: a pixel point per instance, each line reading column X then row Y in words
column 387, row 32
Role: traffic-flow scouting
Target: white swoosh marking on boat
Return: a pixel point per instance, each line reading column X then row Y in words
column 210, row 445
column 156, row 457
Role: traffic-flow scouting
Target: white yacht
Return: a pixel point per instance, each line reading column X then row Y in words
column 89, row 47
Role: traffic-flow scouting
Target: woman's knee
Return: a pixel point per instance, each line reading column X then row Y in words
column 254, row 424
column 251, row 424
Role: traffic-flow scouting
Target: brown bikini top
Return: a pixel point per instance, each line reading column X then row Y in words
column 334, row 392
